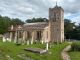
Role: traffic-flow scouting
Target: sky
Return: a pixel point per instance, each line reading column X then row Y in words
column 26, row 9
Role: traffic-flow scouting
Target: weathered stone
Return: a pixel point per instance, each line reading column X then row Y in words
column 36, row 50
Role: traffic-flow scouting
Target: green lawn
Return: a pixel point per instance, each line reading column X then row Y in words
column 14, row 50
column 75, row 51
column 74, row 55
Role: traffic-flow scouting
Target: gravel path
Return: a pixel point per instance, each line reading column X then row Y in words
column 64, row 53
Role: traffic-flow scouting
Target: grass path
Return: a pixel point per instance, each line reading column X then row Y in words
column 64, row 53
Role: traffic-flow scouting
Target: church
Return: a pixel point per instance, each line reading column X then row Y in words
column 51, row 31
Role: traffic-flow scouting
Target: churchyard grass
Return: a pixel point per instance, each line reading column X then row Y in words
column 74, row 55
column 75, row 51
column 15, row 51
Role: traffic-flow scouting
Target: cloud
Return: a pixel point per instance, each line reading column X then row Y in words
column 71, row 6
column 25, row 9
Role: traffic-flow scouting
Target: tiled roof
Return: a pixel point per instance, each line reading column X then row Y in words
column 35, row 26
column 30, row 26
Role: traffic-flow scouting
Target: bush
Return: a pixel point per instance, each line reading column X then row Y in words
column 75, row 46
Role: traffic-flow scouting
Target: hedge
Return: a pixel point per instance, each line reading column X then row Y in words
column 75, row 46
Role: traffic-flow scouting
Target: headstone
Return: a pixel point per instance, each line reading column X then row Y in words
column 4, row 39
column 27, row 42
column 15, row 40
column 42, row 41
column 8, row 39
column 32, row 40
column 11, row 34
column 46, row 45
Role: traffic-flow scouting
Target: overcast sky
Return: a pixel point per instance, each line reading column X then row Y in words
column 25, row 9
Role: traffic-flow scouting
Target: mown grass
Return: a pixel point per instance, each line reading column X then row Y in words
column 14, row 50
column 74, row 55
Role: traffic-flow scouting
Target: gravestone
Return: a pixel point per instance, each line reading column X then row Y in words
column 27, row 42
column 47, row 45
column 4, row 39
column 8, row 39
column 42, row 41
column 31, row 41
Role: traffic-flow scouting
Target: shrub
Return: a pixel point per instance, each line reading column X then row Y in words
column 75, row 46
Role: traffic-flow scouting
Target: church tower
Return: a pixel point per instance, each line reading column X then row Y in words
column 56, row 24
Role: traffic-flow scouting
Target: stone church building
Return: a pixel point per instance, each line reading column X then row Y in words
column 51, row 31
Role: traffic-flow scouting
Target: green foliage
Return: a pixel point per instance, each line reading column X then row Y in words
column 6, row 22
column 68, row 25
column 71, row 30
column 68, row 28
column 75, row 46
column 36, row 20
column 16, row 21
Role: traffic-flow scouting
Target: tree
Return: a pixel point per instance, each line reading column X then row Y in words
column 68, row 28
column 17, row 21
column 6, row 22
column 33, row 20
